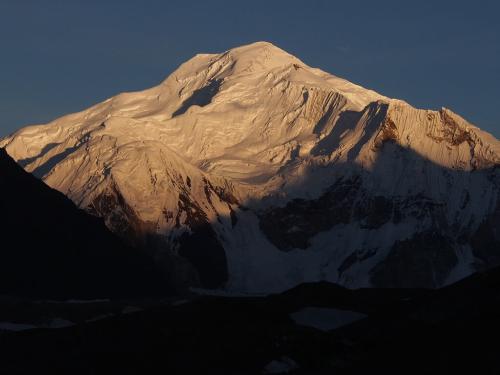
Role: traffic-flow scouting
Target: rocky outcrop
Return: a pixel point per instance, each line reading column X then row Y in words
column 423, row 261
column 486, row 240
column 292, row 226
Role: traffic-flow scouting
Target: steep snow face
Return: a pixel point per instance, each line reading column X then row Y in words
column 252, row 171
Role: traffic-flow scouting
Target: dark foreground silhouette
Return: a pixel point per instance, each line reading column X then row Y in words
column 51, row 249
column 451, row 330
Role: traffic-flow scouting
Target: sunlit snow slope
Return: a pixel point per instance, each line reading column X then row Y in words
column 251, row 171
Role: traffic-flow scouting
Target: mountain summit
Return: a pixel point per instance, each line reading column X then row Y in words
column 251, row 171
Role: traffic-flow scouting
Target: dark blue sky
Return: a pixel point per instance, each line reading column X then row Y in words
column 63, row 56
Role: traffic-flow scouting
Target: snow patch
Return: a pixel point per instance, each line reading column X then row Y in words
column 9, row 326
column 283, row 365
column 325, row 319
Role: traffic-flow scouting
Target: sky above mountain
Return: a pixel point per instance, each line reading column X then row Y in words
column 62, row 56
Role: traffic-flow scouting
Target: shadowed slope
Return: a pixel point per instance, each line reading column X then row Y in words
column 51, row 249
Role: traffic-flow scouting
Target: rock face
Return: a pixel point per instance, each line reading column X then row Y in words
column 51, row 249
column 251, row 171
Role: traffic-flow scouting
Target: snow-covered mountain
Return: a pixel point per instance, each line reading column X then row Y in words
column 252, row 171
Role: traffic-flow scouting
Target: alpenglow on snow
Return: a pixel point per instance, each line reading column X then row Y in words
column 251, row 171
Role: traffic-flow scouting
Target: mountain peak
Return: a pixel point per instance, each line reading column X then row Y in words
column 261, row 66
column 258, row 50
column 259, row 45
column 256, row 58
column 260, row 56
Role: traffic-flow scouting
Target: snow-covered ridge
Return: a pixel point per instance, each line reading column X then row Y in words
column 228, row 137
